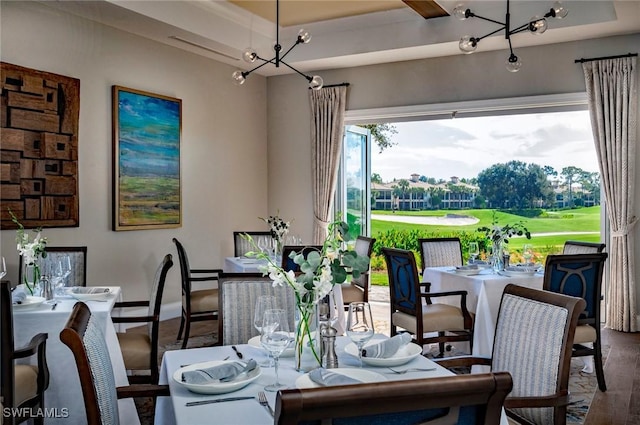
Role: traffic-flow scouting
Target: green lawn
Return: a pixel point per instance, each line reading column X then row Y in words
column 548, row 232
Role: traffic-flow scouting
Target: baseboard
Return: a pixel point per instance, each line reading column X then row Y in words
column 167, row 311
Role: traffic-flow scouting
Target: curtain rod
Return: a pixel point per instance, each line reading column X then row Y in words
column 334, row 85
column 583, row 60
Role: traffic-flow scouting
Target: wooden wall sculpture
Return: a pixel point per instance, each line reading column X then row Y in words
column 39, row 148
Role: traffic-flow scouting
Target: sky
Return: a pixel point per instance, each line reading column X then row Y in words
column 463, row 147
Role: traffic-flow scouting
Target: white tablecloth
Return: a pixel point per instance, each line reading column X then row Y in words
column 64, row 394
column 484, row 292
column 172, row 410
column 243, row 265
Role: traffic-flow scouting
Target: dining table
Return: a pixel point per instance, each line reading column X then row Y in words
column 484, row 293
column 173, row 410
column 243, row 264
column 63, row 398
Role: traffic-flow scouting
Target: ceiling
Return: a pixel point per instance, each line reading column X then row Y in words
column 346, row 33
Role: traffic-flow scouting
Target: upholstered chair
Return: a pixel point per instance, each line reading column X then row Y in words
column 437, row 252
column 357, row 290
column 578, row 247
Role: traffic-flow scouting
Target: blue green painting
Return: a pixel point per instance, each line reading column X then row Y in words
column 148, row 160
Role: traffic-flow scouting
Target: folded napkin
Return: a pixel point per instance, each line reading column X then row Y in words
column 88, row 290
column 18, row 296
column 226, row 371
column 387, row 348
column 469, row 267
column 327, row 378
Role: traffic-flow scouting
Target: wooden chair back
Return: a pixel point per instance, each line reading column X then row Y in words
column 438, row 252
column 78, row 259
column 533, row 340
column 8, row 357
column 479, row 398
column 578, row 247
column 241, row 246
column 235, row 325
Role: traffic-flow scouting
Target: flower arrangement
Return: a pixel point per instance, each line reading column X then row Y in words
column 499, row 237
column 319, row 272
column 30, row 251
column 278, row 227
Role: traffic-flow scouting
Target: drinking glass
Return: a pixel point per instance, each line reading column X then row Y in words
column 3, row 272
column 263, row 303
column 360, row 325
column 474, row 251
column 275, row 339
column 60, row 273
column 527, row 253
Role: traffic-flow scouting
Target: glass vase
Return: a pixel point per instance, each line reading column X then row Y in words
column 496, row 257
column 307, row 346
column 31, row 277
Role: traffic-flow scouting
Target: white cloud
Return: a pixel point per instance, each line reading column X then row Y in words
column 464, row 147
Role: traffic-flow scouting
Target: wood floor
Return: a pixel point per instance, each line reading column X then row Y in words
column 619, row 405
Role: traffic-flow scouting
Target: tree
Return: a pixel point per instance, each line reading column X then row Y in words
column 400, row 190
column 571, row 174
column 381, row 134
column 375, row 178
column 514, row 185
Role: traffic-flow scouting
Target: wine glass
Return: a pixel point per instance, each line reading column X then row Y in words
column 527, row 253
column 275, row 339
column 60, row 273
column 474, row 251
column 360, row 325
column 263, row 303
column 3, row 272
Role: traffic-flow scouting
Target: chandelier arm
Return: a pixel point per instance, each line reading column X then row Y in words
column 521, row 28
column 290, row 49
column 292, row 68
column 259, row 66
column 490, row 34
column 487, row 19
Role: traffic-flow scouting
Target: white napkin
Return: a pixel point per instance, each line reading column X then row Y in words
column 327, row 378
column 469, row 267
column 226, row 371
column 387, row 348
column 89, row 290
column 18, row 296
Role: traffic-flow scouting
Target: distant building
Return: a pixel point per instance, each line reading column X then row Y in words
column 420, row 195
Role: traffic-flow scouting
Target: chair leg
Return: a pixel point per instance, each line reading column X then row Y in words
column 181, row 326
column 187, row 328
column 441, row 345
column 597, row 357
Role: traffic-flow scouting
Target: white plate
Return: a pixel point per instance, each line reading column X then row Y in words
column 403, row 355
column 366, row 376
column 288, row 352
column 466, row 272
column 83, row 293
column 215, row 387
column 514, row 273
column 29, row 303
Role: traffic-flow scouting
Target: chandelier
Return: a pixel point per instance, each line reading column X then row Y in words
column 250, row 55
column 536, row 25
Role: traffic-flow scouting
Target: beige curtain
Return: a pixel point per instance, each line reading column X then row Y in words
column 327, row 126
column 613, row 106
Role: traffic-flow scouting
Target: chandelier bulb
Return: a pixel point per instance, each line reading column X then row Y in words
column 304, row 36
column 468, row 44
column 238, row 78
column 461, row 12
column 537, row 25
column 559, row 10
column 316, row 82
column 249, row 55
column 513, row 64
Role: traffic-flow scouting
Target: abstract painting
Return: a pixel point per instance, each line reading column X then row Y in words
column 146, row 160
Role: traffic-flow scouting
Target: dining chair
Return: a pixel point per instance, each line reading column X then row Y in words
column 287, row 263
column 235, row 325
column 357, row 290
column 241, row 246
column 474, row 399
column 78, row 263
column 22, row 386
column 412, row 307
column 580, row 275
column 579, row 247
column 197, row 305
column 86, row 341
column 140, row 349
column 438, row 252
column 533, row 338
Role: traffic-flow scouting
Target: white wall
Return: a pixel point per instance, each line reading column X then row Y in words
column 223, row 151
column 546, row 70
